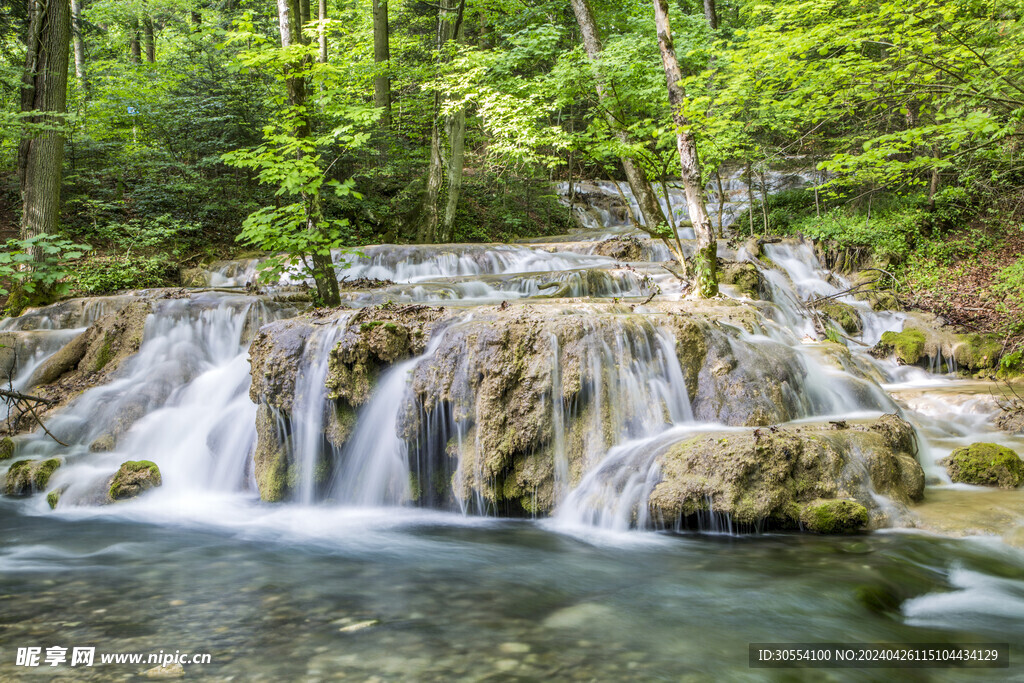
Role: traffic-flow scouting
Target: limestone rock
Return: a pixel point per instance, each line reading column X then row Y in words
column 134, row 478
column 985, row 464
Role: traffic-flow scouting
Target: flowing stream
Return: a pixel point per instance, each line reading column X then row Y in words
column 358, row 575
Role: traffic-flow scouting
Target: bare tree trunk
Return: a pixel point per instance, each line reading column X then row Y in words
column 382, row 59
column 322, row 14
column 705, row 260
column 439, row 202
column 134, row 50
column 288, row 14
column 638, row 182
column 710, row 14
column 79, row 43
column 304, row 15
column 44, row 92
column 750, row 196
column 150, row 38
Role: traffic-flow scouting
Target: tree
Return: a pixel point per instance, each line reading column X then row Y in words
column 43, row 102
column 705, row 259
column 382, row 59
column 79, row 42
column 638, row 181
column 447, row 139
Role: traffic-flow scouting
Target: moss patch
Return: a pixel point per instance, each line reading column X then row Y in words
column 6, row 448
column 976, row 352
column 908, row 346
column 844, row 315
column 834, row 516
column 985, row 464
column 26, row 477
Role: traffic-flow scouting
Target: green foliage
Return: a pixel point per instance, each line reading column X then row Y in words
column 106, row 274
column 38, row 265
column 891, row 233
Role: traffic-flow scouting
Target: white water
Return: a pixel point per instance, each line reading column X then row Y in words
column 183, row 401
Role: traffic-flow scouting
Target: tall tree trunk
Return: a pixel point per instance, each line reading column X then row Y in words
column 150, row 39
column 324, row 276
column 447, row 138
column 382, row 60
column 79, row 43
column 322, row 15
column 44, row 92
column 134, row 49
column 705, row 260
column 650, row 209
column 304, row 15
column 710, row 14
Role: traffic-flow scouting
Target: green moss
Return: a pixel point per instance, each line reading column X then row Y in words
column 977, row 352
column 6, row 448
column 985, row 464
column 834, row 516
column 844, row 315
column 366, row 327
column 908, row 345
column 43, row 472
column 53, row 497
column 104, row 355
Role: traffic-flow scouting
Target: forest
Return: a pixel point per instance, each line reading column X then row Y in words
column 511, row 339
column 187, row 131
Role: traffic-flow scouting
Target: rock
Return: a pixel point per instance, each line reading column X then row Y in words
column 985, row 464
column 26, row 477
column 359, row 626
column 53, row 497
column 976, row 352
column 6, row 448
column 133, row 478
column 834, row 516
column 770, row 476
column 908, row 346
column 577, row 617
column 1011, row 419
column 621, row 249
column 165, row 671
column 744, row 276
column 844, row 315
column 103, row 443
column 195, row 277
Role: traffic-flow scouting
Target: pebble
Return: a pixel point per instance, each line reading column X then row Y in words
column 359, row 626
column 514, row 648
column 165, row 671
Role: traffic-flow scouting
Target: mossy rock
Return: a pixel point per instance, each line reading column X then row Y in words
column 53, row 497
column 834, row 516
column 976, row 352
column 26, row 477
column 133, row 478
column 908, row 346
column 985, row 464
column 742, row 276
column 103, row 443
column 844, row 315
column 6, row 448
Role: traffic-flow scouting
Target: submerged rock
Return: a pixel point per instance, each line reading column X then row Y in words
column 770, row 476
column 134, row 478
column 834, row 516
column 985, row 464
column 26, row 477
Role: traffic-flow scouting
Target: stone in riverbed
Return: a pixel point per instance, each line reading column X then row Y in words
column 6, row 448
column 985, row 464
column 26, row 477
column 834, row 516
column 133, row 478
column 908, row 346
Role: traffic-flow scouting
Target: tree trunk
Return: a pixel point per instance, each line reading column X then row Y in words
column 44, row 92
column 322, row 15
column 76, row 32
column 134, row 50
column 147, row 30
column 288, row 14
column 705, row 260
column 197, row 20
column 710, row 14
column 446, row 143
column 650, row 209
column 382, row 59
column 304, row 15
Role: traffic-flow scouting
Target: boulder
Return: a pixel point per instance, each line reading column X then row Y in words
column 132, row 479
column 908, row 346
column 770, row 476
column 985, row 464
column 26, row 477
